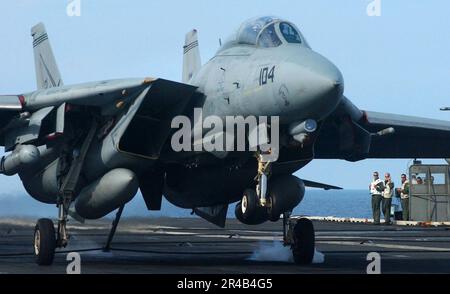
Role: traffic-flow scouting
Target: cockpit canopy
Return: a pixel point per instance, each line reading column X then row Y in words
column 267, row 31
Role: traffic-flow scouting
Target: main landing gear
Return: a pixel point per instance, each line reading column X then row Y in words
column 300, row 235
column 46, row 240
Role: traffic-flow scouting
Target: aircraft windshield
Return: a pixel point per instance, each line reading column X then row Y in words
column 290, row 33
column 269, row 38
column 267, row 31
column 250, row 30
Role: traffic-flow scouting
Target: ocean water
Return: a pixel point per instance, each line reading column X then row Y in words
column 341, row 203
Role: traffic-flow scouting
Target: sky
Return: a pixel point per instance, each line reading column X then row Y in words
column 397, row 62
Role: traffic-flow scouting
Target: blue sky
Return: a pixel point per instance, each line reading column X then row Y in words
column 398, row 62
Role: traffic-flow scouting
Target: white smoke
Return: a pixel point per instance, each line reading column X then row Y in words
column 273, row 251
column 319, row 257
column 276, row 251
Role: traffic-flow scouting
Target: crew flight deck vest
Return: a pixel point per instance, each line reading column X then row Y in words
column 388, row 189
column 373, row 187
column 405, row 190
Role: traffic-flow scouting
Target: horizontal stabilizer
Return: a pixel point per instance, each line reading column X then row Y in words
column 312, row 184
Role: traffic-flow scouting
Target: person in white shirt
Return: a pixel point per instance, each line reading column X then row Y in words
column 376, row 188
column 387, row 198
column 404, row 195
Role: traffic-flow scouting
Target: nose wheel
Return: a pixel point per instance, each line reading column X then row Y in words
column 272, row 213
column 248, row 211
column 249, row 204
column 44, row 241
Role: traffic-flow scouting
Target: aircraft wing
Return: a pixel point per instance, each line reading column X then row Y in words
column 413, row 137
column 10, row 107
column 352, row 134
column 150, row 105
column 150, row 125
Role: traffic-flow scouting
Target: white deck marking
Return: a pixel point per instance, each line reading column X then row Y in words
column 384, row 245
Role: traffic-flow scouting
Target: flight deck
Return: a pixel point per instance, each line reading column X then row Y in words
column 189, row 246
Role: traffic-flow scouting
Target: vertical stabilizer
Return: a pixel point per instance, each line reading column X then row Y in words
column 47, row 72
column 191, row 57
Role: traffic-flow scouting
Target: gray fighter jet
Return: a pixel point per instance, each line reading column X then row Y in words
column 88, row 148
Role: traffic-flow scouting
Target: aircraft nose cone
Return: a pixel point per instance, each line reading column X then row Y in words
column 324, row 85
column 319, row 85
column 326, row 79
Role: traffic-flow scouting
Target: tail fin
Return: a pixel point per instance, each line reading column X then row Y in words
column 191, row 57
column 47, row 72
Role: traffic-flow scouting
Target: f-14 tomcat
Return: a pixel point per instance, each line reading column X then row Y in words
column 88, row 148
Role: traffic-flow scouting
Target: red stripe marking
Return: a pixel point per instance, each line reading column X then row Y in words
column 22, row 100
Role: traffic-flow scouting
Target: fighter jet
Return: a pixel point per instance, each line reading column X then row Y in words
column 89, row 148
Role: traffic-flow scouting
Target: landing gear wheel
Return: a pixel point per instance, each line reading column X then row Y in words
column 44, row 241
column 274, row 219
column 249, row 204
column 304, row 242
column 258, row 218
column 272, row 211
column 247, row 210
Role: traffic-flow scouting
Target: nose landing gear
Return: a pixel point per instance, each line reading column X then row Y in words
column 252, row 209
column 274, row 195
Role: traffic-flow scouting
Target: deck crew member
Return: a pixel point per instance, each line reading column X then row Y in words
column 376, row 188
column 387, row 198
column 404, row 196
column 419, row 181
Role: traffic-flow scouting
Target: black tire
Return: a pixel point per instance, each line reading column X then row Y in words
column 258, row 218
column 249, row 204
column 304, row 242
column 272, row 212
column 44, row 241
column 285, row 193
column 274, row 218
